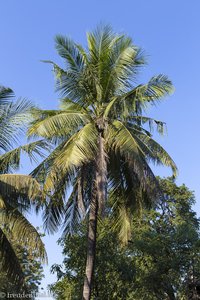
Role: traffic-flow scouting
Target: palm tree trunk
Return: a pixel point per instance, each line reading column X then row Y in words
column 91, row 249
column 98, row 200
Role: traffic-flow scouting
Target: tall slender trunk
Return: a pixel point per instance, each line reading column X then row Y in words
column 91, row 249
column 97, row 203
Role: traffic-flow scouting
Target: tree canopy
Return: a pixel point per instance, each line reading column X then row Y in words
column 161, row 260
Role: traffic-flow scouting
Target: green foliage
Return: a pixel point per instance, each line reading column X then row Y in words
column 113, row 278
column 168, row 246
column 160, row 262
column 100, row 97
column 14, row 118
column 30, row 265
column 17, row 193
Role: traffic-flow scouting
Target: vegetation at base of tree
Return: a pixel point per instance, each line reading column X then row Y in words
column 160, row 262
column 102, row 144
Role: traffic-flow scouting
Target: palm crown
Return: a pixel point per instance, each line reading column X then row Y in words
column 100, row 98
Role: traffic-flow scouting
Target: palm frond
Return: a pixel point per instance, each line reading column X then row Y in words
column 54, row 208
column 134, row 121
column 14, row 186
column 5, row 95
column 23, row 231
column 138, row 98
column 44, row 167
column 60, row 124
column 13, row 118
column 11, row 159
column 72, row 214
column 77, row 204
column 119, row 137
column 79, row 149
column 126, row 59
column 67, row 81
column 68, row 105
column 53, row 215
column 9, row 260
column 99, row 41
column 122, row 141
column 157, row 88
column 123, row 224
column 69, row 210
column 155, row 152
column 68, row 50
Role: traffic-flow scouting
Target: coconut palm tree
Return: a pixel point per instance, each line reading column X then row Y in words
column 16, row 191
column 102, row 145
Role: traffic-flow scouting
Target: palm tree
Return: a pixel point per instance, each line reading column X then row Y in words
column 102, row 145
column 16, row 191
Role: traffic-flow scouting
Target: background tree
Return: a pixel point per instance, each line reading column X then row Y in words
column 161, row 261
column 16, row 191
column 168, row 246
column 101, row 144
column 114, row 270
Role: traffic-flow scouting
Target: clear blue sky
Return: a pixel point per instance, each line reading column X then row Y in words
column 168, row 31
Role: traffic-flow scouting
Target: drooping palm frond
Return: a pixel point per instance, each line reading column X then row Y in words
column 155, row 152
column 138, row 121
column 120, row 138
column 128, row 192
column 11, row 160
column 72, row 213
column 54, row 208
column 78, row 203
column 13, row 117
column 136, row 100
column 9, row 260
column 53, row 215
column 79, row 149
column 18, row 185
column 5, row 95
column 57, row 185
column 122, row 223
column 23, row 231
column 133, row 184
column 138, row 146
column 16, row 194
column 68, row 206
column 20, row 190
column 39, row 173
column 156, row 89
